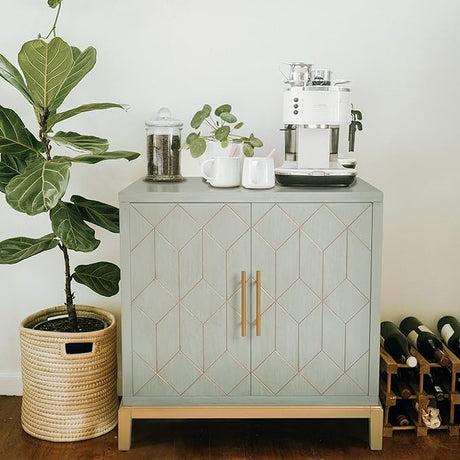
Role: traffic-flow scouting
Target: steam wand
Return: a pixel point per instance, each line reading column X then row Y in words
column 354, row 125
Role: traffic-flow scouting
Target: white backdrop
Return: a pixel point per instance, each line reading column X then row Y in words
column 403, row 60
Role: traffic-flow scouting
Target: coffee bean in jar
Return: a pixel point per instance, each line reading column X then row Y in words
column 163, row 148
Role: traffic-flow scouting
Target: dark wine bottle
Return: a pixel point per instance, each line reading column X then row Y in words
column 427, row 343
column 401, row 388
column 451, row 382
column 395, row 342
column 449, row 328
column 402, row 419
column 398, row 417
column 433, row 386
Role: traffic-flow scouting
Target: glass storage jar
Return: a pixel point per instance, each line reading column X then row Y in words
column 163, row 148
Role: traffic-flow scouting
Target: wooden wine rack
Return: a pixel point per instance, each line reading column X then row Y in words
column 389, row 369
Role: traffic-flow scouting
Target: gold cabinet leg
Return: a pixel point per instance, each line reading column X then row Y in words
column 376, row 427
column 124, row 428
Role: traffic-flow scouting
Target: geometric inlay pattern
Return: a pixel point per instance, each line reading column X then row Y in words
column 299, row 300
column 202, row 301
column 315, row 262
column 322, row 372
column 275, row 381
column 275, row 227
column 346, row 300
column 195, row 255
column 321, row 289
column 323, row 227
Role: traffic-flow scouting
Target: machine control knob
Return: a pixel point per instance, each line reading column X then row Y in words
column 296, row 112
column 296, row 99
column 296, row 106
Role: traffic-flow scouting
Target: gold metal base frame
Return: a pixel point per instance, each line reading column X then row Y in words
column 127, row 413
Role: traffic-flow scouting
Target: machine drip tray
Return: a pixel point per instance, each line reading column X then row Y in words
column 336, row 177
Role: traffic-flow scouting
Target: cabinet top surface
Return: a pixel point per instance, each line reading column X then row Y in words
column 195, row 189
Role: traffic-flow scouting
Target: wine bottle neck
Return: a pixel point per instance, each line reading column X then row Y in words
column 441, row 358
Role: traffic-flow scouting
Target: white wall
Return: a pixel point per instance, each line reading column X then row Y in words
column 403, row 59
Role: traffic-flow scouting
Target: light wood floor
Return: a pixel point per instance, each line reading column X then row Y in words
column 227, row 439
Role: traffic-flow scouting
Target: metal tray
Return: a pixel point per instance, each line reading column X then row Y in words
column 336, row 177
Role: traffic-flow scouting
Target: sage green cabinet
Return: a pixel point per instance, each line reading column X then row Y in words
column 250, row 303
column 186, row 261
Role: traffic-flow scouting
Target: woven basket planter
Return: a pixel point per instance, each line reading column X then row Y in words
column 68, row 397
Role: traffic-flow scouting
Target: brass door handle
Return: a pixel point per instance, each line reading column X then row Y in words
column 258, row 303
column 243, row 303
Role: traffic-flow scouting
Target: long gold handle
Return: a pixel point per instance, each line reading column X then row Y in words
column 258, row 302
column 243, row 303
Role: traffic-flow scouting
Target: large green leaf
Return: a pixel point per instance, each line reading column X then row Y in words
column 197, row 147
column 84, row 61
column 39, row 187
column 198, row 119
column 12, row 165
column 14, row 250
column 102, row 277
column 102, row 214
column 191, row 137
column 58, row 117
column 9, row 72
column 206, row 110
column 248, row 150
column 15, row 138
column 256, row 142
column 69, row 226
column 46, row 67
column 223, row 108
column 222, row 133
column 96, row 158
column 228, row 117
column 81, row 143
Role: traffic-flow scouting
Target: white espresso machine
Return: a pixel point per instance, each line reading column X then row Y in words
column 315, row 112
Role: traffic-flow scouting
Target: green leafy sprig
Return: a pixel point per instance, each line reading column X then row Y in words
column 221, row 127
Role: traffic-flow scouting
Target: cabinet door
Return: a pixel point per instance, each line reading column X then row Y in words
column 186, row 265
column 315, row 264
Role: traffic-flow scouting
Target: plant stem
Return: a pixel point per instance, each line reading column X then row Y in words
column 69, row 296
column 53, row 28
column 43, row 121
column 210, row 124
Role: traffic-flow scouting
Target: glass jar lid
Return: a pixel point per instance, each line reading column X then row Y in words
column 164, row 119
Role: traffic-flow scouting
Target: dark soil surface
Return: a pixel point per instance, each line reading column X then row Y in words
column 63, row 325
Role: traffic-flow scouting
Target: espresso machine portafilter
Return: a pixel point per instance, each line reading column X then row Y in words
column 315, row 112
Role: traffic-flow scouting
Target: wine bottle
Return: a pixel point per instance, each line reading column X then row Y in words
column 449, row 328
column 402, row 419
column 395, row 342
column 427, row 343
column 433, row 386
column 402, row 389
column 398, row 417
column 451, row 382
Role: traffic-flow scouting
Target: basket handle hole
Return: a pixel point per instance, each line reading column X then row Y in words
column 78, row 348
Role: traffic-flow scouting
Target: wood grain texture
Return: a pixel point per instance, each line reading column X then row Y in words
column 317, row 298
column 229, row 440
column 186, row 293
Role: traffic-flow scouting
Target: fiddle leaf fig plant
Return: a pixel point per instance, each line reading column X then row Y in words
column 34, row 179
column 222, row 128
